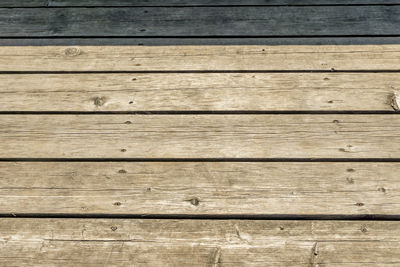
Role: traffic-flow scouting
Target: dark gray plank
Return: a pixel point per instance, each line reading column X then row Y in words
column 212, row 2
column 201, row 21
column 200, row 41
column 64, row 3
column 23, row 3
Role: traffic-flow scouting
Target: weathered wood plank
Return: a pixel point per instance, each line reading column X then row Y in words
column 378, row 20
column 200, row 136
column 200, row 188
column 116, row 242
column 200, row 41
column 126, row 3
column 199, row 58
column 199, row 91
column 23, row 3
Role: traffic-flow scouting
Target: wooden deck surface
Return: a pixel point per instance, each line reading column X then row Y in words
column 95, row 138
column 199, row 133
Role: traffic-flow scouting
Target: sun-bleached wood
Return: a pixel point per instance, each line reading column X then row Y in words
column 198, row 91
column 199, row 58
column 200, row 188
column 200, row 136
column 123, row 242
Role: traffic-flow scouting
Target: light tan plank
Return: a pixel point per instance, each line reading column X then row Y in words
column 199, row 91
column 200, row 136
column 198, row 188
column 200, row 58
column 95, row 242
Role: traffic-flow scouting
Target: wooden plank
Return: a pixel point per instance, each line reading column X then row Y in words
column 126, row 3
column 249, row 21
column 116, row 242
column 199, row 58
column 199, row 91
column 200, row 188
column 200, row 136
column 200, row 41
column 215, row 2
column 24, row 3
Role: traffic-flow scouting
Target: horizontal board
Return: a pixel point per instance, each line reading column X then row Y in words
column 199, row 91
column 200, row 136
column 199, row 58
column 61, row 3
column 24, row 3
column 116, row 242
column 200, row 41
column 246, row 21
column 200, row 188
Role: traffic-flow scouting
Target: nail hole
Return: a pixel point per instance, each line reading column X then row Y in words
column 114, row 228
column 194, row 201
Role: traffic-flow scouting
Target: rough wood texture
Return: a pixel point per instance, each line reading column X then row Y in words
column 200, row 188
column 200, row 136
column 198, row 91
column 89, row 242
column 200, row 41
column 199, row 58
column 201, row 21
column 126, row 3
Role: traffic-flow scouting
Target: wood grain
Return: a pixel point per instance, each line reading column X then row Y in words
column 199, row 91
column 200, row 41
column 378, row 20
column 94, row 242
column 127, row 3
column 200, row 188
column 200, row 58
column 200, row 136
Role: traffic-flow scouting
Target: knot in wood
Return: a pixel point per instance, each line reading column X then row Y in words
column 72, row 51
column 194, row 201
column 395, row 102
column 99, row 101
